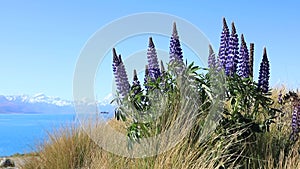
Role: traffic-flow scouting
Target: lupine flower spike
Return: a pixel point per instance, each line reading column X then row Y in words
column 244, row 69
column 116, row 62
column 146, row 78
column 136, row 86
column 224, row 46
column 116, row 66
column 295, row 122
column 211, row 58
column 154, row 71
column 175, row 50
column 264, row 73
column 120, row 75
column 233, row 53
column 123, row 76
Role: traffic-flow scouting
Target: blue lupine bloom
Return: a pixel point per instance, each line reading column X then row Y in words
column 175, row 50
column 136, row 86
column 295, row 122
column 294, row 119
column 146, row 78
column 116, row 61
column 123, row 76
column 116, row 66
column 244, row 66
column 231, row 61
column 154, row 71
column 120, row 74
column 224, row 46
column 211, row 58
column 264, row 73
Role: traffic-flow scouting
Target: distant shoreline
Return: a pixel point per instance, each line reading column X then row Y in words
column 20, row 113
column 33, row 113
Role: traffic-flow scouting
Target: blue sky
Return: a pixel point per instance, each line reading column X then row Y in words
column 40, row 41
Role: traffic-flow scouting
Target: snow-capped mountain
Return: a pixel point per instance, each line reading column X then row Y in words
column 39, row 98
column 40, row 103
column 106, row 100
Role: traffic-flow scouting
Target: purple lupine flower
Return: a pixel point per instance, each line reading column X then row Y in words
column 123, row 75
column 211, row 58
column 295, row 122
column 244, row 66
column 136, row 86
column 224, row 46
column 175, row 50
column 231, row 61
column 116, row 66
column 120, row 74
column 154, row 71
column 264, row 73
column 116, row 61
column 146, row 78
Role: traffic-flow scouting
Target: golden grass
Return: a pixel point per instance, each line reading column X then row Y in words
column 71, row 147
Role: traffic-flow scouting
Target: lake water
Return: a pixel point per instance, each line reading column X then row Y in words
column 21, row 132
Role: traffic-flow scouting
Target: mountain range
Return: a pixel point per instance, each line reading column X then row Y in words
column 40, row 103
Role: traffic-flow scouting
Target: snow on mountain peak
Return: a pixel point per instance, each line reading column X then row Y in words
column 107, row 99
column 42, row 98
column 39, row 98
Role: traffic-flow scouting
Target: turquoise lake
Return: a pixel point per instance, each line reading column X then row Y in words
column 20, row 133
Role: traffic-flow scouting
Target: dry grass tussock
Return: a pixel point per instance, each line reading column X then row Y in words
column 71, row 147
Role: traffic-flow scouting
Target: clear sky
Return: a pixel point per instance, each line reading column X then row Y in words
column 40, row 41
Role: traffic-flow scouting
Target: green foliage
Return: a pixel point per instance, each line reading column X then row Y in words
column 242, row 108
column 247, row 106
